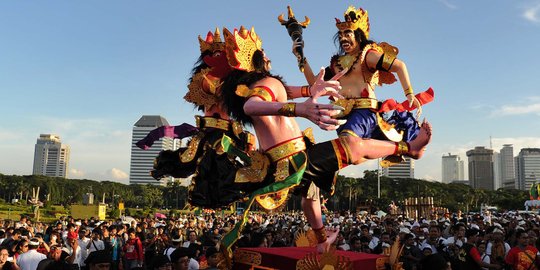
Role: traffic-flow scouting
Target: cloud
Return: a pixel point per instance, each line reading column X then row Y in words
column 531, row 13
column 96, row 144
column 530, row 106
column 518, row 143
column 117, row 174
column 449, row 5
column 76, row 173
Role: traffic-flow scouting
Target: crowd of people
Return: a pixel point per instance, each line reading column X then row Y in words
column 475, row 241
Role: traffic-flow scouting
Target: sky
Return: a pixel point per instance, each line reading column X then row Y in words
column 88, row 70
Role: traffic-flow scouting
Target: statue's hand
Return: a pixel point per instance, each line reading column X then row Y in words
column 413, row 102
column 297, row 45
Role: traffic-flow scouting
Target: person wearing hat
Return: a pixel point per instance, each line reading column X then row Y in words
column 411, row 254
column 99, row 260
column 434, row 240
column 74, row 250
column 469, row 256
column 30, row 259
column 497, row 248
column 176, row 241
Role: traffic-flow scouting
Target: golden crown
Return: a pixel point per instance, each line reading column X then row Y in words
column 355, row 19
column 212, row 42
column 240, row 48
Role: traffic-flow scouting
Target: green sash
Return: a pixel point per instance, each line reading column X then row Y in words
column 291, row 181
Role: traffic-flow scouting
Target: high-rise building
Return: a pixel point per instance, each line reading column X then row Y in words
column 142, row 161
column 481, row 168
column 404, row 169
column 51, row 157
column 527, row 167
column 497, row 179
column 452, row 169
column 507, row 167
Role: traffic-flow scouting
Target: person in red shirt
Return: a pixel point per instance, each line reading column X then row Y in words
column 133, row 251
column 523, row 256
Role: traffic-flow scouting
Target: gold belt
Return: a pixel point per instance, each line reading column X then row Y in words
column 212, row 122
column 364, row 103
column 286, row 149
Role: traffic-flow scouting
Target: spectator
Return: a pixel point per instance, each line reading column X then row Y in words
column 99, row 260
column 160, row 262
column 212, row 258
column 435, row 262
column 180, row 259
column 4, row 263
column 192, row 238
column 133, row 251
column 56, row 260
column 524, row 255
column 411, row 254
column 95, row 242
column 30, row 259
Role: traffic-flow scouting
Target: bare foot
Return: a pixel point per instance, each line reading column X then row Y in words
column 331, row 235
column 418, row 145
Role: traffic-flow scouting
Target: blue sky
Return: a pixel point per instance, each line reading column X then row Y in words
column 87, row 70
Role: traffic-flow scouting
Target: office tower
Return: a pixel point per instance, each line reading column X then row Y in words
column 452, row 169
column 527, row 167
column 508, row 173
column 497, row 179
column 51, row 157
column 481, row 168
column 142, row 161
column 404, row 169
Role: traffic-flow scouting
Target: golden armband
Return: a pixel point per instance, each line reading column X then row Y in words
column 288, row 109
column 305, row 91
column 320, row 234
column 409, row 91
column 401, row 148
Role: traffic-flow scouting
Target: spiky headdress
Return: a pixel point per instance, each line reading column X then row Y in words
column 240, row 48
column 355, row 19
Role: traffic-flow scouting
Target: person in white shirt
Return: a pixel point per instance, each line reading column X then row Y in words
column 95, row 242
column 83, row 242
column 30, row 259
column 192, row 238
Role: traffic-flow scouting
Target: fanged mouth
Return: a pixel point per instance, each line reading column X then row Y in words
column 345, row 44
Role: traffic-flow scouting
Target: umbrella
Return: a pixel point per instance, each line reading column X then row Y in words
column 160, row 215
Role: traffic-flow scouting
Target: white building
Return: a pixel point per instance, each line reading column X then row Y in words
column 452, row 169
column 507, row 167
column 404, row 169
column 51, row 157
column 497, row 178
column 527, row 167
column 142, row 161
